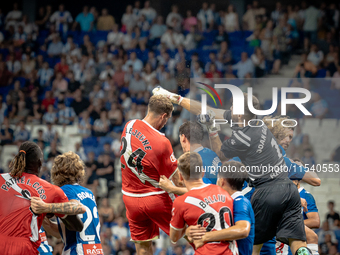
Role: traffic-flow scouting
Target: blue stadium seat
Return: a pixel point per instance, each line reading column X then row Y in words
column 90, row 141
column 105, row 139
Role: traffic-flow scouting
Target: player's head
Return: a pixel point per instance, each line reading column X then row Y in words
column 159, row 110
column 301, row 163
column 67, row 168
column 190, row 166
column 28, row 160
column 283, row 134
column 190, row 133
column 248, row 115
column 231, row 176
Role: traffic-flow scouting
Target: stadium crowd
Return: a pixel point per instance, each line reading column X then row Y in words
column 96, row 72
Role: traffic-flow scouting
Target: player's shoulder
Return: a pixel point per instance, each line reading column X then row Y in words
column 305, row 193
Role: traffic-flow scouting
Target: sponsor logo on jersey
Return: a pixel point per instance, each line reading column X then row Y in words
column 93, row 249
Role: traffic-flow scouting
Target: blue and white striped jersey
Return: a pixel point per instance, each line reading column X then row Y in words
column 88, row 240
column 44, row 248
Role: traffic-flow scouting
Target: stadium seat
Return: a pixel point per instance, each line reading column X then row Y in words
column 105, row 139
column 90, row 141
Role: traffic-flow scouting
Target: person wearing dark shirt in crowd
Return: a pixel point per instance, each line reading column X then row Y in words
column 91, row 178
column 73, row 85
column 79, row 103
column 40, row 137
column 332, row 215
column 54, row 151
column 222, row 35
column 106, row 170
column 6, row 133
column 107, row 150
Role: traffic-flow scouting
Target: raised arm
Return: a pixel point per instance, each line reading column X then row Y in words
column 174, row 185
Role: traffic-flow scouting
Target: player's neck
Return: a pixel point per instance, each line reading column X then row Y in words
column 152, row 121
column 193, row 184
column 194, row 146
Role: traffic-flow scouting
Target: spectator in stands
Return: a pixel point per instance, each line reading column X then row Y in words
column 148, row 11
column 169, row 83
column 51, row 134
column 42, row 18
column 120, row 231
column 107, row 150
column 55, row 48
column 248, row 19
column 172, row 39
column 225, row 55
column 213, row 60
column 101, row 126
column 79, row 150
column 305, row 68
column 114, row 38
column 129, row 19
column 173, row 15
column 319, row 107
column 65, row 114
column 5, row 75
column 335, row 157
column 59, row 85
column 136, row 63
column 13, row 17
column 105, row 21
column 80, row 103
column 213, row 72
column 106, row 211
column 222, row 36
column 231, row 20
column 326, row 235
column 6, row 133
column 277, row 13
column 14, row 66
column 332, row 215
column 308, row 157
column 244, row 67
column 157, row 29
column 61, row 19
column 22, row 134
column 136, row 84
column 315, row 56
column 106, row 170
column 189, row 21
column 85, row 124
column 54, row 152
column 40, row 137
column 310, row 25
column 45, row 74
column 91, row 178
column 28, row 65
column 133, row 113
column 50, row 116
column 259, row 62
column 115, row 115
column 206, row 17
column 85, row 19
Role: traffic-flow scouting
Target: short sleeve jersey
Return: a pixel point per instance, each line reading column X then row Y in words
column 146, row 154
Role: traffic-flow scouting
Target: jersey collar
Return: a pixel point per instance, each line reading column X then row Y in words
column 199, row 149
column 201, row 187
column 236, row 194
column 152, row 127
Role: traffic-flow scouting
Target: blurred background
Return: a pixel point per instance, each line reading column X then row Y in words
column 72, row 75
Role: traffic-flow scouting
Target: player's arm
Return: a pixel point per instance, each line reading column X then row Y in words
column 240, row 230
column 51, row 228
column 311, row 178
column 298, row 171
column 216, row 145
column 191, row 105
column 176, row 234
column 313, row 220
column 73, row 207
column 174, row 185
column 177, row 223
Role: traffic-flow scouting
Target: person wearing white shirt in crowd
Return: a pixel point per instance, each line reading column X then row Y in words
column 276, row 14
column 310, row 25
column 115, row 36
column 231, row 20
column 66, row 114
column 136, row 63
column 244, row 67
column 126, row 40
column 173, row 15
column 172, row 39
column 61, row 19
column 14, row 66
column 129, row 19
column 315, row 56
column 189, row 42
column 157, row 29
column 67, row 46
column 133, row 113
column 197, row 70
column 206, row 17
column 13, row 17
column 108, row 71
column 96, row 94
column 149, row 12
column 126, row 101
column 136, row 9
column 79, row 150
column 148, row 74
column 45, row 74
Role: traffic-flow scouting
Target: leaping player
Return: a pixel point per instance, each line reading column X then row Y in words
column 146, row 154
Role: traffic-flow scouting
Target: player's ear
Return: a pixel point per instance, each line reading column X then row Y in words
column 180, row 176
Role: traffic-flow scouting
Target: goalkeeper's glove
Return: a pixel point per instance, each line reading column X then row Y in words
column 174, row 98
column 208, row 120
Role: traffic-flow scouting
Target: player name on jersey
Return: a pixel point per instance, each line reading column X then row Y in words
column 36, row 185
column 134, row 132
column 209, row 200
column 84, row 195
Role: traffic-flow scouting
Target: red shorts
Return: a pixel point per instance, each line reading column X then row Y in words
column 147, row 214
column 17, row 246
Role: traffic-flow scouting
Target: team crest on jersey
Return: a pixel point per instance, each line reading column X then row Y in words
column 232, row 141
column 173, row 158
column 93, row 249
